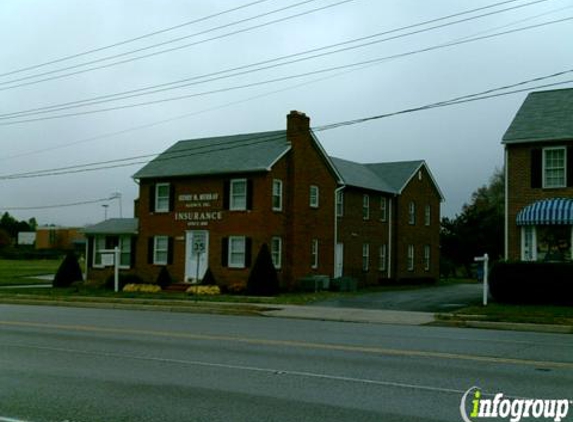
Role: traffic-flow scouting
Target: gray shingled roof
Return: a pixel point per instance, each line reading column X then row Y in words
column 220, row 155
column 359, row 175
column 543, row 116
column 114, row 226
column 396, row 174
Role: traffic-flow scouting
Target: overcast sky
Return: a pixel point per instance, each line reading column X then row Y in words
column 461, row 143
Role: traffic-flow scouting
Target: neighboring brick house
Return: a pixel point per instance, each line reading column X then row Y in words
column 60, row 238
column 539, row 178
column 214, row 202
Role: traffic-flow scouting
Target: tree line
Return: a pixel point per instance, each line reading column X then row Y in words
column 10, row 227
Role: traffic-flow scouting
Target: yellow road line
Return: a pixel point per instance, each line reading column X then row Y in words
column 295, row 344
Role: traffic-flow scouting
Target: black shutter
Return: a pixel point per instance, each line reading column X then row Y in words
column 569, row 160
column 89, row 252
column 226, row 194
column 133, row 241
column 225, row 252
column 248, row 253
column 249, row 194
column 152, row 198
column 536, row 168
column 171, row 197
column 170, row 250
column 150, row 245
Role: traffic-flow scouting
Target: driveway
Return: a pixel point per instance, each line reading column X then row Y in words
column 426, row 299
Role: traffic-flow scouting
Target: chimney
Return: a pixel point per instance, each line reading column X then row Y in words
column 298, row 124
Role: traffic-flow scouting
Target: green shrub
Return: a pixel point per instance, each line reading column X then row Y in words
column 263, row 280
column 532, row 282
column 68, row 272
column 164, row 278
column 208, row 278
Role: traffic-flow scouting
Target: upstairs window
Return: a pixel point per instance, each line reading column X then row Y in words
column 554, row 167
column 314, row 196
column 277, row 195
column 339, row 203
column 412, row 213
column 427, row 215
column 365, row 207
column 383, row 209
column 162, row 197
column 238, row 195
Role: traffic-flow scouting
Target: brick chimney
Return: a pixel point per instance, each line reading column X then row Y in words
column 298, row 124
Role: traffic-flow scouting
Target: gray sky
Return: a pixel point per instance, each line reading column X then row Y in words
column 461, row 143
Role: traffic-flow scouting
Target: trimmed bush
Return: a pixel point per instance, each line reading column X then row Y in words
column 164, row 278
column 142, row 288
column 532, row 282
column 263, row 280
column 208, row 278
column 68, row 272
column 201, row 290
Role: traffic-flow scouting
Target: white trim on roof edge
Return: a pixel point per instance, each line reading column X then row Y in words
column 269, row 168
column 423, row 164
column 340, row 180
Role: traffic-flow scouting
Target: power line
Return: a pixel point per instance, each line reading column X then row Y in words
column 73, row 204
column 285, row 78
column 226, row 35
column 223, row 146
column 131, row 40
column 219, row 75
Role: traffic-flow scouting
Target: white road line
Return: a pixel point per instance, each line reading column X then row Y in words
column 5, row 419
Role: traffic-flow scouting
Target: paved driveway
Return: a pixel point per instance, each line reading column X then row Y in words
column 426, row 299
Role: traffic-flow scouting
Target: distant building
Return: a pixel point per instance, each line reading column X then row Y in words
column 539, row 178
column 214, row 202
column 61, row 238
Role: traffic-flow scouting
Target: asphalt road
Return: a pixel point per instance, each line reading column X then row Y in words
column 422, row 299
column 75, row 365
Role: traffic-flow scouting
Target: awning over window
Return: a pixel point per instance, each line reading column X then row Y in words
column 547, row 211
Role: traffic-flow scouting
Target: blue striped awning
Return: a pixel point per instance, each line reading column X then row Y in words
column 547, row 211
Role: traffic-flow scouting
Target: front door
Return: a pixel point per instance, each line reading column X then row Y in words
column 339, row 260
column 196, row 255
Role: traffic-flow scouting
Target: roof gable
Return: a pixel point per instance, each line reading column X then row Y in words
column 220, row 155
column 543, row 116
column 114, row 226
column 360, row 176
column 396, row 174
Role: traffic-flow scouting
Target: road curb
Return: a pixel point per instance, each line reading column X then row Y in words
column 448, row 320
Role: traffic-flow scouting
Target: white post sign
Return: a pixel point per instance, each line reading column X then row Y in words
column 115, row 252
column 485, row 260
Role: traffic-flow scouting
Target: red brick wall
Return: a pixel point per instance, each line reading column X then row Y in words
column 520, row 193
column 421, row 192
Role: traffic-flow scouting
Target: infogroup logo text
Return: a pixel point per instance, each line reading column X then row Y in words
column 513, row 409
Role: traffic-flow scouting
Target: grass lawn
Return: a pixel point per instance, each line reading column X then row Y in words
column 14, row 272
column 536, row 314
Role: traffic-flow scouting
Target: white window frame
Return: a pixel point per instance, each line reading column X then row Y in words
column 533, row 243
column 277, row 251
column 383, row 208
column 563, row 168
column 161, row 200
column 157, row 250
column 124, row 250
column 277, row 194
column 241, row 242
column 427, row 215
column 340, row 203
column 234, row 197
column 412, row 213
column 124, row 245
column 366, row 207
column 314, row 196
column 99, row 244
column 382, row 256
column 427, row 255
column 314, row 254
column 410, row 260
column 365, row 257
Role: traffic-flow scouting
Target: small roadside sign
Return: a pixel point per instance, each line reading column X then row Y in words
column 199, row 240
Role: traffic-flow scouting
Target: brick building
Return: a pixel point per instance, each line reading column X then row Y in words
column 60, row 238
column 539, row 178
column 212, row 203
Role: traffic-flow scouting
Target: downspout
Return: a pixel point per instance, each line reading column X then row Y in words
column 506, row 201
column 336, row 191
column 390, row 238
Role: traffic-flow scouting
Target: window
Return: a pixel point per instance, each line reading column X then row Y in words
column 382, row 258
column 553, row 243
column 99, row 244
column 125, row 251
column 339, row 203
column 237, row 252
column 410, row 258
column 238, row 195
column 383, row 209
column 314, row 196
column 412, row 213
column 160, row 250
column 314, row 254
column 277, row 195
column 365, row 207
column 110, row 242
column 528, row 252
column 365, row 257
column 554, row 166
column 276, row 251
column 427, row 258
column 427, row 215
column 162, row 191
